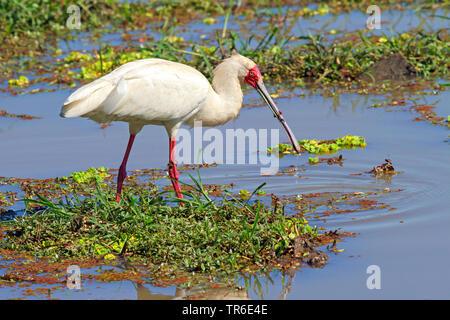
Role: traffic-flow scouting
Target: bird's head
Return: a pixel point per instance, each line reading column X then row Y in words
column 250, row 74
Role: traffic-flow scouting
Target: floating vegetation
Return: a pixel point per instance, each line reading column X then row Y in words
column 321, row 146
column 313, row 160
column 330, row 160
column 426, row 113
column 5, row 114
column 6, row 199
column 21, row 82
column 92, row 174
column 350, row 203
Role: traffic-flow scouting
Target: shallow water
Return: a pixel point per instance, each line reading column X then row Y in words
column 392, row 21
column 409, row 243
column 396, row 20
column 413, row 255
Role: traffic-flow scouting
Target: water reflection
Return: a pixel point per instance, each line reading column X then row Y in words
column 259, row 285
column 145, row 293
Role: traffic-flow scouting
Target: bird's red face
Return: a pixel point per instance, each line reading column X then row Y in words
column 253, row 76
column 254, row 79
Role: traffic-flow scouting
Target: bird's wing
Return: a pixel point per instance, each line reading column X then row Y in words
column 90, row 96
column 149, row 89
column 163, row 91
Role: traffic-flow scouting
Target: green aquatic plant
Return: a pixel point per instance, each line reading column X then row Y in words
column 90, row 175
column 75, row 56
column 21, row 82
column 313, row 159
column 321, row 146
column 4, row 201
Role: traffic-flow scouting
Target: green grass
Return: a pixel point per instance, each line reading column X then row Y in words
column 225, row 234
column 346, row 59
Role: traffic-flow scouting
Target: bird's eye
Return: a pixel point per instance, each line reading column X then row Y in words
column 251, row 73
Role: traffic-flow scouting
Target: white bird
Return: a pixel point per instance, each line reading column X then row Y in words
column 166, row 93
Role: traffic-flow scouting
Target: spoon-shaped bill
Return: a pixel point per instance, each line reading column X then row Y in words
column 277, row 114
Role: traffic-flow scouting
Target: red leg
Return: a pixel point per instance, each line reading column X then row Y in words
column 173, row 173
column 123, row 167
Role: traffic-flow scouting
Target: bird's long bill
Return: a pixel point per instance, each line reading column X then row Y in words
column 266, row 96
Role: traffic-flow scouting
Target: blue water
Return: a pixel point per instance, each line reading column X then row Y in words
column 412, row 256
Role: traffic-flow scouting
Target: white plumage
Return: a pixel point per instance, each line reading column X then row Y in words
column 141, row 92
column 161, row 92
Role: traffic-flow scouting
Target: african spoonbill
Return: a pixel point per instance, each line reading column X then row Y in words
column 166, row 93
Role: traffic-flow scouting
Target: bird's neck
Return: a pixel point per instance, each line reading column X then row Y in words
column 228, row 93
column 227, row 85
column 224, row 99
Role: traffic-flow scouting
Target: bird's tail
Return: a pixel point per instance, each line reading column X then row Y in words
column 86, row 99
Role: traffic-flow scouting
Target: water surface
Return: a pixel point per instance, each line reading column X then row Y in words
column 413, row 255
